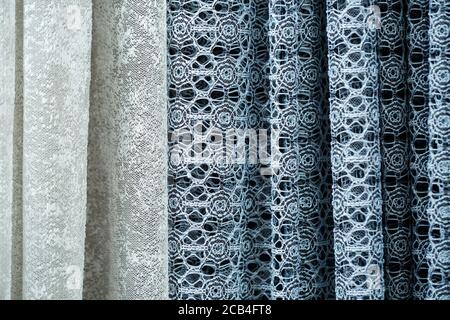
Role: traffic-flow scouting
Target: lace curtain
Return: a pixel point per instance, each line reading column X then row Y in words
column 225, row 149
column 83, row 150
column 355, row 96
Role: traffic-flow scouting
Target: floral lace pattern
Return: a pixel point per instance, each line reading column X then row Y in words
column 355, row 154
column 394, row 148
column 418, row 96
column 259, row 65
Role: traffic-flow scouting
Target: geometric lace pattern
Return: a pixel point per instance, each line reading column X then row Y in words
column 234, row 230
column 225, row 149
column 355, row 95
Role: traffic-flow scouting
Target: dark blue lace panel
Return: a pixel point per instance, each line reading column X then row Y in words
column 209, row 80
column 258, row 231
column 418, row 93
column 301, row 221
column 356, row 161
column 264, row 230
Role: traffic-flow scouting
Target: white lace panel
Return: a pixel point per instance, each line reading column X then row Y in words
column 56, row 72
column 394, row 137
column 7, row 92
column 126, row 244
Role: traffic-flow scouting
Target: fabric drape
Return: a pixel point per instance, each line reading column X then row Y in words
column 439, row 125
column 236, row 233
column 225, row 149
column 55, row 118
column 126, row 238
column 83, row 140
column 7, row 58
column 353, row 204
column 49, row 226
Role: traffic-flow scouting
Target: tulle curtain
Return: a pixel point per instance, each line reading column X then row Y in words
column 83, row 188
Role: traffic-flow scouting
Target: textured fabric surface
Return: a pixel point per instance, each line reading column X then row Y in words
column 439, row 164
column 52, row 185
column 350, row 98
column 418, row 97
column 355, row 154
column 394, row 148
column 56, row 49
column 225, row 149
column 126, row 238
column 7, row 93
column 234, row 231
column 46, row 58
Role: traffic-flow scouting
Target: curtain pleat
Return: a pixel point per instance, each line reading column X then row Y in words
column 259, row 68
column 17, row 221
column 418, row 88
column 56, row 192
column 392, row 59
column 355, row 153
column 439, row 164
column 226, row 149
column 373, row 240
column 7, row 107
column 209, row 59
column 56, row 50
column 126, row 237
column 299, row 198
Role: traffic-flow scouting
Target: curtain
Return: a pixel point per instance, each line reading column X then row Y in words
column 225, row 149
column 352, row 203
column 83, row 145
column 238, row 231
column 126, row 230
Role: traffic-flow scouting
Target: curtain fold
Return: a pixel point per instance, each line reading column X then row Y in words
column 356, row 160
column 126, row 238
column 392, row 60
column 239, row 230
column 418, row 88
column 7, row 79
column 56, row 51
column 62, row 200
column 334, row 89
column 438, row 167
column 209, row 53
